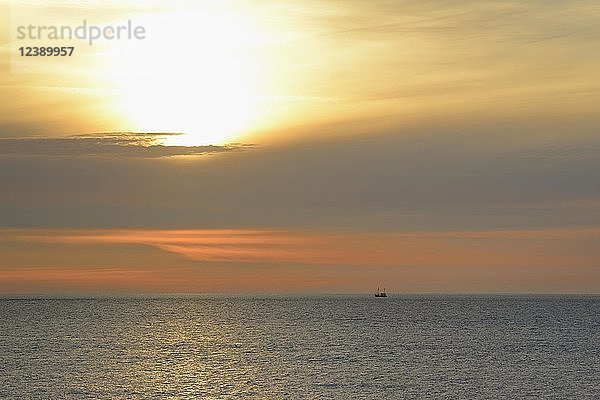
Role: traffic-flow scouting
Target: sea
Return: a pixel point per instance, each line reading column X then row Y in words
column 301, row 347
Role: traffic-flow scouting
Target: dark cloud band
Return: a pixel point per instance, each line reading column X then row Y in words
column 140, row 145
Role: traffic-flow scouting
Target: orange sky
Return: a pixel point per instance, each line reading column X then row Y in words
column 167, row 261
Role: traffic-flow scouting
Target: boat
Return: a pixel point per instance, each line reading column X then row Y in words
column 380, row 293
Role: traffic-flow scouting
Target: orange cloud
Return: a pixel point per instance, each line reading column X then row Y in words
column 543, row 248
column 249, row 260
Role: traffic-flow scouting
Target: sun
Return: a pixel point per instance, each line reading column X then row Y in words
column 195, row 73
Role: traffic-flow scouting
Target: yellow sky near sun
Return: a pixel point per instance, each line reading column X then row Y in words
column 233, row 70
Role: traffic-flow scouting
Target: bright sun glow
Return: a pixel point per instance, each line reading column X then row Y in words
column 195, row 73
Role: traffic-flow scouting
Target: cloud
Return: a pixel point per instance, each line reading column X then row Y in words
column 250, row 260
column 542, row 248
column 480, row 176
column 127, row 144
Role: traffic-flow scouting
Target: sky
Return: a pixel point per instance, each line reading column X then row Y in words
column 303, row 147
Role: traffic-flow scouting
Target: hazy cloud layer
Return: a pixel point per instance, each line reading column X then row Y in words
column 527, row 174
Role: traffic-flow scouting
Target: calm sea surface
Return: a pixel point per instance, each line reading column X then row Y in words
column 436, row 347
